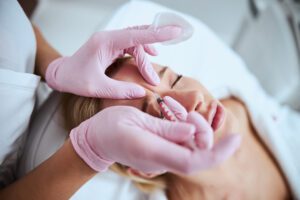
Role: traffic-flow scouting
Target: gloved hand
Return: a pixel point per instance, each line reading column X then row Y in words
column 84, row 72
column 204, row 136
column 128, row 136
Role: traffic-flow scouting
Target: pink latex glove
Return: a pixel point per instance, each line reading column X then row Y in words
column 84, row 72
column 128, row 136
column 204, row 135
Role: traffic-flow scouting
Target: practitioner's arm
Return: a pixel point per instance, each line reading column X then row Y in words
column 59, row 177
column 45, row 53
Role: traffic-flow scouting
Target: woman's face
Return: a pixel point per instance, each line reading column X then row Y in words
column 188, row 92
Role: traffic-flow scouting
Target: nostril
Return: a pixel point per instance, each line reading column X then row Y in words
column 198, row 106
column 200, row 101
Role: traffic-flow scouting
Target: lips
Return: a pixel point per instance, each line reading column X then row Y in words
column 216, row 115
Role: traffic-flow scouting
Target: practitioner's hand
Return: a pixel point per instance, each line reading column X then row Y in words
column 204, row 137
column 84, row 72
column 128, row 136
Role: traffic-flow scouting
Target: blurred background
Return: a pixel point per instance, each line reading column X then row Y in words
column 265, row 33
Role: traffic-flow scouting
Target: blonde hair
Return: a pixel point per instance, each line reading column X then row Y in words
column 77, row 109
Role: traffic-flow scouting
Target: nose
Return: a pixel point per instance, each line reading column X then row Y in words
column 192, row 100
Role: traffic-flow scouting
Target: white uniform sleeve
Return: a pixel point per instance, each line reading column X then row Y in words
column 17, row 85
column 17, row 94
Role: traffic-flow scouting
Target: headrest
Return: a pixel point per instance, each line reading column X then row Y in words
column 46, row 134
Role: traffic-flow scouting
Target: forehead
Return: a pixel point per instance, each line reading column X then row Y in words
column 129, row 72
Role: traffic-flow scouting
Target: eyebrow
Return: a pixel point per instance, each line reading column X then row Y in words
column 162, row 72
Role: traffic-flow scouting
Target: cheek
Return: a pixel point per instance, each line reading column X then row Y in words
column 228, row 127
column 187, row 83
column 201, row 88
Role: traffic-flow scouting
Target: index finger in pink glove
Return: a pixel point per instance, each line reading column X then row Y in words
column 149, row 48
column 141, row 35
column 132, row 40
column 144, row 65
column 179, row 111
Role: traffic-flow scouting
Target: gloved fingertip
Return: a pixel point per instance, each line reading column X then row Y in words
column 150, row 49
column 151, row 76
column 131, row 91
column 169, row 32
column 202, row 145
column 154, row 52
column 135, row 92
column 179, row 111
column 155, row 78
column 204, row 141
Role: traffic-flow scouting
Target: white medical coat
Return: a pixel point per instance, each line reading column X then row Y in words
column 17, row 84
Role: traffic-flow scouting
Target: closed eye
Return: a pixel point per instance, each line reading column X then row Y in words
column 177, row 79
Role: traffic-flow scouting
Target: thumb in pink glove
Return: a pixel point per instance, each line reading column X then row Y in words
column 84, row 72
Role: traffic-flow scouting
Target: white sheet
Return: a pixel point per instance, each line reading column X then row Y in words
column 203, row 57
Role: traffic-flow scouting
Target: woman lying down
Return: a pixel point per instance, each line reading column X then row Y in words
column 251, row 173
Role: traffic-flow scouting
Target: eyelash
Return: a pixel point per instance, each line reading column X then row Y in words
column 177, row 79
